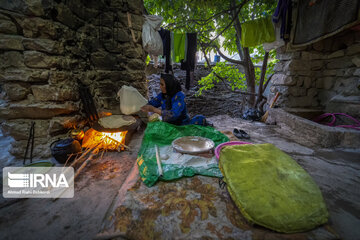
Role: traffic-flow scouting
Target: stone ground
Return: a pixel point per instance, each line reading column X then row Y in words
column 336, row 171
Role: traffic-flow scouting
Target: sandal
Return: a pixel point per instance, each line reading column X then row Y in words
column 240, row 134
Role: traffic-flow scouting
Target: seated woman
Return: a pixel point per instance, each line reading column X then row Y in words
column 172, row 103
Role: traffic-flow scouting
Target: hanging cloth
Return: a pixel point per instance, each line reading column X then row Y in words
column 257, row 31
column 283, row 13
column 165, row 36
column 178, row 41
column 152, row 42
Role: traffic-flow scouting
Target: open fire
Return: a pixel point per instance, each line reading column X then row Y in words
column 104, row 140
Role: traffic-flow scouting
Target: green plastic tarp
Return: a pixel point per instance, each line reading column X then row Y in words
column 271, row 189
column 256, row 32
column 162, row 134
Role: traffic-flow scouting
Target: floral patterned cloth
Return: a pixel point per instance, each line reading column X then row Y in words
column 190, row 208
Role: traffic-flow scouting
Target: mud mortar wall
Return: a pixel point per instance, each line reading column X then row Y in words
column 47, row 46
column 325, row 75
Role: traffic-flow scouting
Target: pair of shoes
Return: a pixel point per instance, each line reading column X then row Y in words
column 207, row 123
column 240, row 134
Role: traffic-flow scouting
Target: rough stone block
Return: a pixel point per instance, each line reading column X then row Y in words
column 339, row 63
column 304, row 101
column 307, row 81
column 137, row 52
column 328, row 82
column 347, row 86
column 43, row 45
column 357, row 72
column 10, row 42
column 103, row 60
column 280, row 79
column 62, row 77
column 297, row 65
column 19, row 128
column 41, row 148
column 356, row 61
column 41, row 28
column 316, row 65
column 136, row 64
column 7, row 27
column 66, row 17
column 11, row 59
column 16, row 92
column 135, row 5
column 24, row 75
column 28, row 109
column 61, row 125
column 304, row 73
column 339, row 53
column 122, row 35
column 312, row 55
column 329, row 72
column 36, row 59
column 297, row 91
column 349, row 72
column 27, row 7
column 353, row 49
column 319, row 83
column 300, row 81
column 137, row 21
column 312, row 92
column 55, row 93
column 288, row 56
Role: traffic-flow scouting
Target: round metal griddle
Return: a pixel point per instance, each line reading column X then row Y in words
column 193, row 144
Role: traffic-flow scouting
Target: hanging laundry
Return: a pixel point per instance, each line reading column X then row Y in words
column 165, row 36
column 178, row 41
column 188, row 63
column 278, row 42
column 283, row 13
column 152, row 42
column 257, row 31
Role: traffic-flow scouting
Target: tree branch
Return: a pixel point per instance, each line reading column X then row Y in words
column 262, row 77
column 223, row 79
column 227, row 58
column 233, row 19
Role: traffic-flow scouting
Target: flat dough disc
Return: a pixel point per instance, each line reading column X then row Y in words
column 116, row 121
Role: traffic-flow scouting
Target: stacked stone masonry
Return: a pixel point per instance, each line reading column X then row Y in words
column 47, row 47
column 325, row 75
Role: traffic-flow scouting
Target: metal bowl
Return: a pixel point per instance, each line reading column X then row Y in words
column 193, row 144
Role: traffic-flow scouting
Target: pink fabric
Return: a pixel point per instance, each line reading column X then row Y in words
column 220, row 146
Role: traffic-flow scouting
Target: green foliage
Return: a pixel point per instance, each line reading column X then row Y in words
column 210, row 18
column 229, row 72
column 147, row 60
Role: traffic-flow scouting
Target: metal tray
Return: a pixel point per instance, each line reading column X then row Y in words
column 193, row 144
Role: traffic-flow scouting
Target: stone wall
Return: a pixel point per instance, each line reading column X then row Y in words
column 325, row 75
column 47, row 46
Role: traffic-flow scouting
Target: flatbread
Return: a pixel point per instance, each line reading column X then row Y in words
column 116, row 121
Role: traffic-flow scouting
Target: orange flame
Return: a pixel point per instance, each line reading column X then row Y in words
column 111, row 141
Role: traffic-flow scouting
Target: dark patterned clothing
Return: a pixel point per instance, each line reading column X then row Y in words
column 177, row 115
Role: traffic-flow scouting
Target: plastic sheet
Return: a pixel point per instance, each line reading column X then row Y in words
column 130, row 100
column 162, row 134
column 271, row 189
column 152, row 42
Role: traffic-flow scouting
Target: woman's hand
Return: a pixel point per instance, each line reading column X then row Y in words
column 148, row 108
